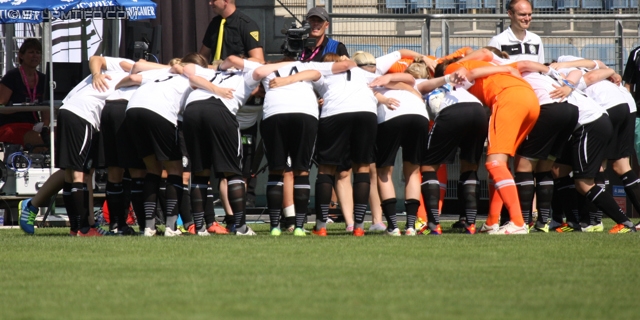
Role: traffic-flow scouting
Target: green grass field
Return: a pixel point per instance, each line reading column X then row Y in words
column 557, row 276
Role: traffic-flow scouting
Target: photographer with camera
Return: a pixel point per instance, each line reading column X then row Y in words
column 318, row 20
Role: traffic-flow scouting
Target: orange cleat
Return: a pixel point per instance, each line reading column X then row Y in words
column 358, row 232
column 621, row 228
column 93, row 232
column 321, row 233
column 192, row 229
column 217, row 229
column 470, row 229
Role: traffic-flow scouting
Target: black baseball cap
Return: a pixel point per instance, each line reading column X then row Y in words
column 318, row 12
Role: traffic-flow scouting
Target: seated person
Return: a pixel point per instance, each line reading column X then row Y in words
column 24, row 84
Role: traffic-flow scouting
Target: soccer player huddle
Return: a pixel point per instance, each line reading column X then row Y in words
column 561, row 123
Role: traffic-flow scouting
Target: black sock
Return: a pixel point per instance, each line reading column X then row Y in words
column 209, row 209
column 199, row 187
column 274, row 199
column 389, row 210
column 150, row 196
column 544, row 194
column 137, row 201
column 173, row 198
column 301, row 191
column 69, row 204
column 80, row 196
column 361, row 188
column 469, row 194
column 632, row 188
column 526, row 188
column 411, row 207
column 461, row 197
column 431, row 195
column 115, row 203
column 324, row 186
column 236, row 194
column 605, row 201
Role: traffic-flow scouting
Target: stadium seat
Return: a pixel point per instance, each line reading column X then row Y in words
column 592, row 4
column 616, row 4
column 396, row 4
column 491, row 4
column 414, row 47
column 543, row 4
column 566, row 4
column 603, row 52
column 445, row 4
column 474, row 4
column 633, row 4
column 423, row 4
column 552, row 51
column 375, row 50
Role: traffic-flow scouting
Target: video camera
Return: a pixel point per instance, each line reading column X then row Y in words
column 297, row 39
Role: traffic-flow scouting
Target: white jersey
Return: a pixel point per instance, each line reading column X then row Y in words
column 604, row 92
column 293, row 98
column 542, row 85
column 451, row 97
column 589, row 110
column 125, row 93
column 242, row 82
column 347, row 92
column 86, row 102
column 528, row 49
column 409, row 104
column 630, row 101
column 163, row 96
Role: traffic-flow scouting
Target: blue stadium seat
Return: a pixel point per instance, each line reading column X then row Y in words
column 633, row 4
column 603, row 52
column 423, row 4
column 446, row 4
column 474, row 4
column 492, row 4
column 543, row 4
column 616, row 4
column 552, row 51
column 592, row 4
column 396, row 4
column 566, row 4
column 414, row 47
column 375, row 50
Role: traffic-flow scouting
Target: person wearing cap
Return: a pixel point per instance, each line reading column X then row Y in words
column 318, row 19
column 231, row 32
column 517, row 41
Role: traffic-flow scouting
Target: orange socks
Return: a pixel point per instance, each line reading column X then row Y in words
column 507, row 192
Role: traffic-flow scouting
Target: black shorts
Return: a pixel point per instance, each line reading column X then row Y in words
column 624, row 125
column 588, row 147
column 212, row 135
column 462, row 125
column 249, row 140
column 152, row 134
column 346, row 137
column 76, row 143
column 119, row 150
column 289, row 135
column 186, row 162
column 407, row 131
column 551, row 132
